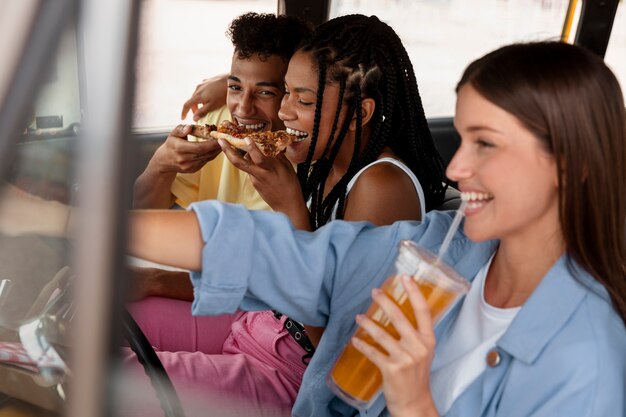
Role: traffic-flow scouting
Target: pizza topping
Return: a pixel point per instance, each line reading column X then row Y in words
column 233, row 129
column 269, row 143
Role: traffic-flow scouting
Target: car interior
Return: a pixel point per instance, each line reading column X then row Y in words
column 69, row 105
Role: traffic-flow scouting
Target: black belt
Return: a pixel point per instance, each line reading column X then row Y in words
column 297, row 331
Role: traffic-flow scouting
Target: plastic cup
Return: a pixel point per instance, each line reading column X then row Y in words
column 354, row 378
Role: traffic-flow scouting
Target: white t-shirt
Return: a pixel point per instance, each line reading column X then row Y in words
column 475, row 331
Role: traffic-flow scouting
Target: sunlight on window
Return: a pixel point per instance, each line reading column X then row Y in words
column 181, row 42
column 442, row 37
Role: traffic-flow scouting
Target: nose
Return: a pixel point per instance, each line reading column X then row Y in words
column 460, row 167
column 286, row 113
column 245, row 104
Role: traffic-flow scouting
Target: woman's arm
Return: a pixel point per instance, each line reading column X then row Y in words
column 170, row 237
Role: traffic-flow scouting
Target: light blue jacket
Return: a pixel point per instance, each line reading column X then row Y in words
column 564, row 355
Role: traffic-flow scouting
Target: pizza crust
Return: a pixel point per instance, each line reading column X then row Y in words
column 236, row 142
column 202, row 132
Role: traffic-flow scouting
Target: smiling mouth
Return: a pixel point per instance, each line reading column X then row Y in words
column 476, row 200
column 300, row 135
column 256, row 127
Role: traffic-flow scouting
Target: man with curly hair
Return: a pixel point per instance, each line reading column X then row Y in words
column 183, row 171
column 179, row 171
column 229, row 361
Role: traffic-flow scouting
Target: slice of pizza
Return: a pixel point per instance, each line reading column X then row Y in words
column 201, row 132
column 270, row 143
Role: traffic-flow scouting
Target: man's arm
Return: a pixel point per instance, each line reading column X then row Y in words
column 152, row 189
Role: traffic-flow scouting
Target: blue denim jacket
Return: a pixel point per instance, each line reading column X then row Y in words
column 563, row 355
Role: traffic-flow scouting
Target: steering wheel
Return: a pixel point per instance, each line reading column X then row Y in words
column 161, row 382
column 45, row 307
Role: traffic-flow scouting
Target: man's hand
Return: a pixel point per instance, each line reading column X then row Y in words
column 179, row 155
column 176, row 154
column 147, row 282
column 209, row 95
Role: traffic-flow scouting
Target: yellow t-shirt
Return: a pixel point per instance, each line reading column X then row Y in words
column 218, row 179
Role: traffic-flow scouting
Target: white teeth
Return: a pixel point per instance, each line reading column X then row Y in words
column 475, row 197
column 257, row 126
column 295, row 132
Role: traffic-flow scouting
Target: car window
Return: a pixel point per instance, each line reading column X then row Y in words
column 181, row 42
column 441, row 36
column 616, row 51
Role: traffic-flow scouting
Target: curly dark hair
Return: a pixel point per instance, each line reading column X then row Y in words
column 366, row 58
column 266, row 34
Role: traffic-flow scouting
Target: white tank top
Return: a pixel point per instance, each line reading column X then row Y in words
column 399, row 164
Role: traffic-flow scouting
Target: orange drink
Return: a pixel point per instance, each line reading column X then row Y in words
column 354, row 378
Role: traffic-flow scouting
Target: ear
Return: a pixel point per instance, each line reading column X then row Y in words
column 368, row 105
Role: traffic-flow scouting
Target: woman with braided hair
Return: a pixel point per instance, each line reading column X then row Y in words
column 351, row 90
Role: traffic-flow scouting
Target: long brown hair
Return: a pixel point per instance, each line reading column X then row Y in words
column 570, row 100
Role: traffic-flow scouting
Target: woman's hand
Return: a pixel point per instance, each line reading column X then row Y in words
column 274, row 179
column 406, row 367
column 209, row 95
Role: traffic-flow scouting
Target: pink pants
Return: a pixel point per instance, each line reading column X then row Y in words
column 246, row 357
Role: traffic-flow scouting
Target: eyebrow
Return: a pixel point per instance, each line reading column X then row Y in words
column 259, row 84
column 475, row 128
column 304, row 90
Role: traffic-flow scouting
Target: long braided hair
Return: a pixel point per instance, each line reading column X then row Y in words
column 366, row 58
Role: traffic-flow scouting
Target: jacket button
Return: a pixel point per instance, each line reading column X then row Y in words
column 493, row 358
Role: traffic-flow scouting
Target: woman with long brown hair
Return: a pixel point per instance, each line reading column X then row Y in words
column 541, row 332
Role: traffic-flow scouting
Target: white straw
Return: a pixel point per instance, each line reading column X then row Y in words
column 452, row 230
